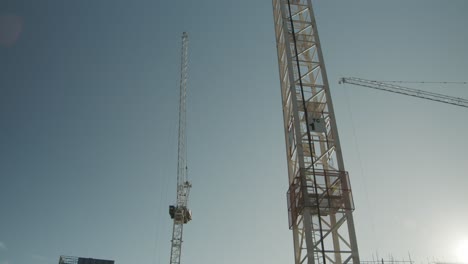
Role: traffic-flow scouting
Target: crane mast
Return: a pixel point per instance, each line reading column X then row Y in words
column 319, row 198
column 180, row 212
column 405, row 91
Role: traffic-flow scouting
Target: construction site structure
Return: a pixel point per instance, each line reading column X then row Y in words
column 387, row 262
column 320, row 202
column 180, row 212
column 78, row 260
column 385, row 86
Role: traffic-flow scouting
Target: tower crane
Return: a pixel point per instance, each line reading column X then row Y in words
column 320, row 203
column 180, row 212
column 405, row 90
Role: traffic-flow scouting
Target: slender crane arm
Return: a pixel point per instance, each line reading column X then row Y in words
column 405, row 90
column 180, row 212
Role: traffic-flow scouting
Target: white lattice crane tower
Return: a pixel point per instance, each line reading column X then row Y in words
column 180, row 212
column 320, row 203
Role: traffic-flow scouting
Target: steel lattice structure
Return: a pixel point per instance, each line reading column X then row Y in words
column 320, row 203
column 378, row 85
column 180, row 212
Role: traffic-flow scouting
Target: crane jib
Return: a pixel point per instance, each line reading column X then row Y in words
column 388, row 87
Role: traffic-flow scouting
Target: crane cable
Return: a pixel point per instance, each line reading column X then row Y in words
column 162, row 192
column 363, row 173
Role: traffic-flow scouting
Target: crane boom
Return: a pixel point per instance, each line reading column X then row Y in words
column 180, row 212
column 405, row 90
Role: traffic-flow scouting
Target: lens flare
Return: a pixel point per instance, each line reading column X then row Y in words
column 462, row 251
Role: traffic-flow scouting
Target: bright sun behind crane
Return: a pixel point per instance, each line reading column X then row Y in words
column 462, row 251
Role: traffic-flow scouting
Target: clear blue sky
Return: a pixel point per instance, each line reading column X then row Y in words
column 88, row 129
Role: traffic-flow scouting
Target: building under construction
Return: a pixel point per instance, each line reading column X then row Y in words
column 78, row 260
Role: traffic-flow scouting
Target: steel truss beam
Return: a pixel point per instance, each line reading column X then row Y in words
column 180, row 212
column 320, row 202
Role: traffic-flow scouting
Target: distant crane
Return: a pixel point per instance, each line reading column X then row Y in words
column 384, row 86
column 180, row 212
column 320, row 204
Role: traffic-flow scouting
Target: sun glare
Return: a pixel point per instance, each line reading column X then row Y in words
column 462, row 251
